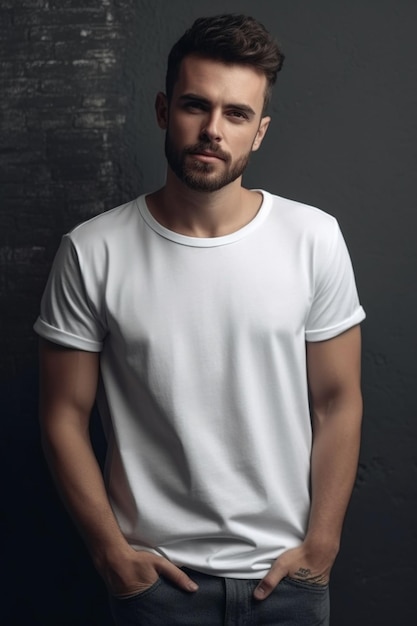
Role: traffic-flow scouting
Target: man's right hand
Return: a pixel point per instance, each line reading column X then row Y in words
column 136, row 571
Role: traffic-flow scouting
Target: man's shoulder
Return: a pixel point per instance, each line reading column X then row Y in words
column 296, row 221
column 110, row 225
column 300, row 212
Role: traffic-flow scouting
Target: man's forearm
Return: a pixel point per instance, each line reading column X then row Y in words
column 79, row 480
column 335, row 452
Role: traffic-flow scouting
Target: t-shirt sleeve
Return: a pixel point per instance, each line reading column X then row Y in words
column 68, row 316
column 335, row 306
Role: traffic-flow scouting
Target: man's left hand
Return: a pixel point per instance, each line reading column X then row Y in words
column 302, row 563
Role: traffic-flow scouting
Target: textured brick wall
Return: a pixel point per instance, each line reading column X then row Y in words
column 62, row 109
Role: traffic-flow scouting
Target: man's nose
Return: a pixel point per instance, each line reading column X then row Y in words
column 211, row 128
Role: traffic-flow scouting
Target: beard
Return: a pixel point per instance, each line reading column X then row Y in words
column 198, row 175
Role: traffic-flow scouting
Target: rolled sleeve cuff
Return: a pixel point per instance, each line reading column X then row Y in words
column 332, row 331
column 64, row 338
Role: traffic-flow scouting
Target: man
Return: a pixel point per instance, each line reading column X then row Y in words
column 204, row 317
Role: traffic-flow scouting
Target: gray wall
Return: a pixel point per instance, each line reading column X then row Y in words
column 78, row 80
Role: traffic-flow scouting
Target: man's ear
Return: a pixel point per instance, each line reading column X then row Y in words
column 263, row 127
column 161, row 108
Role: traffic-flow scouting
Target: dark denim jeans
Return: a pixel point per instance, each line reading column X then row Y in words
column 224, row 602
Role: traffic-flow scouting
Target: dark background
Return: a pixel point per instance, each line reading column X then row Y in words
column 78, row 81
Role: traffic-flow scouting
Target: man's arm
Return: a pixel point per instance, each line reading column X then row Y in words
column 68, row 384
column 333, row 369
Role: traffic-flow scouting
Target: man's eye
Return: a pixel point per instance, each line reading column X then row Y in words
column 239, row 115
column 194, row 106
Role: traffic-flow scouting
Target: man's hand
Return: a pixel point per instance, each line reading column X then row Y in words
column 304, row 563
column 136, row 571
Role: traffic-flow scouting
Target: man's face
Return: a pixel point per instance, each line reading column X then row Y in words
column 213, row 123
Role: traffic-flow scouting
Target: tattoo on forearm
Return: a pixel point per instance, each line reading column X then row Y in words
column 306, row 575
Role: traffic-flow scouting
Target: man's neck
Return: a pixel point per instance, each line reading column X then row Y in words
column 203, row 214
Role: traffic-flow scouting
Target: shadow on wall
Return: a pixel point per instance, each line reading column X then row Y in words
column 49, row 576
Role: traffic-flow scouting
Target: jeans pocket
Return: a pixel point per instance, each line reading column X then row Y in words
column 139, row 594
column 305, row 584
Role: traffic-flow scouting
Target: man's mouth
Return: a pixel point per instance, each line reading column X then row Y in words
column 207, row 153
column 207, row 156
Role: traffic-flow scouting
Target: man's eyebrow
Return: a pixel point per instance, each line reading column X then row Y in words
column 194, row 96
column 244, row 108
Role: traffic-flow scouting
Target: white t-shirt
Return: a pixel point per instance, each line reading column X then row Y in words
column 203, row 390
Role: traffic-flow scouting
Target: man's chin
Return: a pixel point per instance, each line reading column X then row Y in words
column 203, row 179
column 206, row 186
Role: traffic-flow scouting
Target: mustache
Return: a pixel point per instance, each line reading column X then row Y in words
column 207, row 146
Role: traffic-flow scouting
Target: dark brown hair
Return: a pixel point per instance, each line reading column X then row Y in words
column 230, row 38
